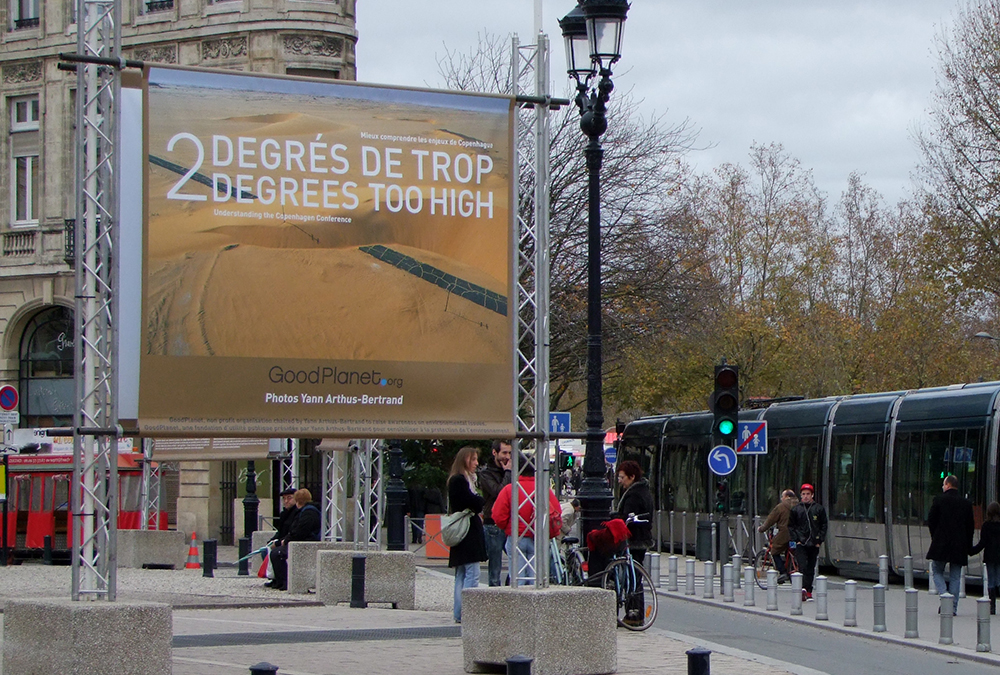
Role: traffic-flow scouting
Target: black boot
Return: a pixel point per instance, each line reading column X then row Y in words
column 993, row 600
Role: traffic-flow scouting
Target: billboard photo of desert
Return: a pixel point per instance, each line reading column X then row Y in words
column 300, row 226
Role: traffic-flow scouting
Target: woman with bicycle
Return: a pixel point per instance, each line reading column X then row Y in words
column 638, row 500
column 778, row 518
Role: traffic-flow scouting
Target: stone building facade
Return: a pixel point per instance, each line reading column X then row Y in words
column 314, row 38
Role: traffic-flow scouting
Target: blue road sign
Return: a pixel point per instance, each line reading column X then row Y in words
column 558, row 422
column 751, row 438
column 611, row 454
column 722, row 460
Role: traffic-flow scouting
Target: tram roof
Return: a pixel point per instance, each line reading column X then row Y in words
column 949, row 403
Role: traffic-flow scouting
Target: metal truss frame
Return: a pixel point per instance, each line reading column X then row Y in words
column 289, row 463
column 95, row 452
column 369, row 496
column 334, row 495
column 529, row 75
column 150, row 496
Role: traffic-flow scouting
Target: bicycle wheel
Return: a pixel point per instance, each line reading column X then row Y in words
column 635, row 596
column 576, row 576
column 761, row 564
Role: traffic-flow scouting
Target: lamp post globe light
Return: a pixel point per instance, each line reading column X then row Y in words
column 593, row 35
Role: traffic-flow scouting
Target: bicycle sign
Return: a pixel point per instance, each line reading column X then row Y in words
column 722, row 460
column 751, row 438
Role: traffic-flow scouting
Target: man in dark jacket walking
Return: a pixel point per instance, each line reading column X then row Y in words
column 492, row 476
column 807, row 528
column 952, row 526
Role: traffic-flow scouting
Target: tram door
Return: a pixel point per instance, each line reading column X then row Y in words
column 920, row 463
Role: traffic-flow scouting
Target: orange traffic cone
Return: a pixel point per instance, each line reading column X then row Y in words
column 192, row 562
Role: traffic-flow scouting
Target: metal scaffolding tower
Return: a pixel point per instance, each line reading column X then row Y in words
column 95, row 458
column 529, row 75
column 150, row 496
column 369, row 495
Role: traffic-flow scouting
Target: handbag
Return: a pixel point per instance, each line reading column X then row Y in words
column 454, row 527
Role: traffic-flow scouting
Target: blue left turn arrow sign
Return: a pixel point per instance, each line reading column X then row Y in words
column 722, row 460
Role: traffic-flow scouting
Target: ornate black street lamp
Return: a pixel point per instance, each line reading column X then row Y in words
column 593, row 34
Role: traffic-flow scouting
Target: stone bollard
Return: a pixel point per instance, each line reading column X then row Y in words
column 821, row 599
column 263, row 668
column 709, row 589
column 689, row 577
column 772, row 591
column 737, row 566
column 883, row 570
column 912, row 595
column 698, row 661
column 983, row 625
column 519, row 665
column 947, row 619
column 654, row 568
column 748, row 584
column 727, row 583
column 908, row 571
column 878, row 595
column 850, row 603
column 672, row 574
column 796, row 593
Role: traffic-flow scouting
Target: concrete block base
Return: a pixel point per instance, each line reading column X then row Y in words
column 47, row 636
column 390, row 577
column 498, row 623
column 157, row 547
column 302, row 562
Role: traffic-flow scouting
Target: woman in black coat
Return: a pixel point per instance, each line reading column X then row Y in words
column 466, row 555
column 989, row 542
column 635, row 499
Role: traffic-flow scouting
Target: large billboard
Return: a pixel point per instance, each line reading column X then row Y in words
column 324, row 258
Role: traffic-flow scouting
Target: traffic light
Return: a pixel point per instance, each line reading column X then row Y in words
column 565, row 460
column 722, row 497
column 725, row 403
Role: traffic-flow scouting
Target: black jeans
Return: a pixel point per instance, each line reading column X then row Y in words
column 279, row 565
column 806, row 557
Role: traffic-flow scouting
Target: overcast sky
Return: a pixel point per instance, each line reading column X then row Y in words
column 841, row 85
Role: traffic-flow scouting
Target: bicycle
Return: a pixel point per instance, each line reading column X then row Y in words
column 636, row 607
column 569, row 564
column 764, row 561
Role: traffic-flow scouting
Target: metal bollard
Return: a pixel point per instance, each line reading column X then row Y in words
column 698, row 661
column 737, row 566
column 519, row 665
column 908, row 571
column 209, row 555
column 947, row 619
column 822, row 613
column 244, row 550
column 796, row 593
column 748, row 584
column 672, row 574
column 772, row 591
column 850, row 603
column 263, row 668
column 727, row 583
column 358, row 582
column 715, row 541
column 878, row 595
column 912, row 595
column 689, row 577
column 46, row 550
column 983, row 625
column 709, row 589
column 654, row 568
column 684, row 533
column 672, row 538
column 883, row 570
column 961, row 585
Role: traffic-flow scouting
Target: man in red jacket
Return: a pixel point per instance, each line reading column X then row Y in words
column 526, row 521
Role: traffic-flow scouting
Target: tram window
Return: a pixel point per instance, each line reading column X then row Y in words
column 792, row 462
column 684, row 477
column 969, row 466
column 907, row 487
column 61, row 488
column 854, row 478
column 129, row 492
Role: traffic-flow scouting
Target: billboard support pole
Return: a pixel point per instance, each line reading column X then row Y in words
column 94, row 488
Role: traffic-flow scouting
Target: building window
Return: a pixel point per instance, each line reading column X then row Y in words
column 159, row 6
column 24, row 142
column 26, row 13
column 46, row 369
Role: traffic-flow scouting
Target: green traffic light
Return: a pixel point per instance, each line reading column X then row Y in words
column 726, row 427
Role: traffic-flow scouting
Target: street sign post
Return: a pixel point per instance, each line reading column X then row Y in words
column 722, row 460
column 751, row 438
column 559, row 422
